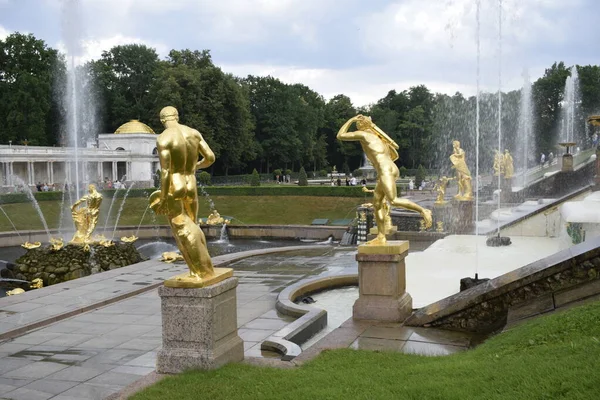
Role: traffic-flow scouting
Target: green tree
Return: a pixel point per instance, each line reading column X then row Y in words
column 337, row 111
column 254, row 178
column 302, row 178
column 29, row 70
column 204, row 178
column 420, row 175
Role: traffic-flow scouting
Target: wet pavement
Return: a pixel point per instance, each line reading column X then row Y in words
column 96, row 353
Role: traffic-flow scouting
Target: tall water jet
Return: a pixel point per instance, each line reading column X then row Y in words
column 121, row 209
column 526, row 138
column 477, row 110
column 10, row 220
column 34, row 202
column 499, row 101
column 571, row 100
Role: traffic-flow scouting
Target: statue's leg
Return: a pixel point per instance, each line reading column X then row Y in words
column 191, row 243
column 380, row 210
column 388, row 184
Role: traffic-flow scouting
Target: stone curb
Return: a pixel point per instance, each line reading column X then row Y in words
column 219, row 261
column 310, row 320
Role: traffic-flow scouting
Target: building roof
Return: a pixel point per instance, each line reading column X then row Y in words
column 134, row 126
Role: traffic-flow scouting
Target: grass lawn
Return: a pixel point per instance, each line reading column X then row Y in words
column 554, row 357
column 274, row 210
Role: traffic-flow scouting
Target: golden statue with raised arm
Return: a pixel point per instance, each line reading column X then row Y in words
column 509, row 168
column 381, row 150
column 463, row 175
column 86, row 218
column 179, row 148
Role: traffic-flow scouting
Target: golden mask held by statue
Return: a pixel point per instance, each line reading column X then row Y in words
column 86, row 218
column 463, row 175
column 381, row 151
column 179, row 148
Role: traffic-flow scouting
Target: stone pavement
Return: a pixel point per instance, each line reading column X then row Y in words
column 94, row 354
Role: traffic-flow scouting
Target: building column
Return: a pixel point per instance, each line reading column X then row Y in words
column 48, row 172
column 114, row 171
column 128, row 169
column 52, row 171
column 68, row 171
column 99, row 171
column 10, row 173
column 30, row 172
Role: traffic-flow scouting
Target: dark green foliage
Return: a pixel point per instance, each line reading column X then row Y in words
column 403, row 171
column 420, row 176
column 277, row 172
column 204, row 178
column 255, row 178
column 302, row 178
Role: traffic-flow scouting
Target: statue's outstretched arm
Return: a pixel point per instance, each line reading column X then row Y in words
column 343, row 133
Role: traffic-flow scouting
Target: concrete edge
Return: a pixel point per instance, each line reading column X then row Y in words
column 310, row 320
column 219, row 261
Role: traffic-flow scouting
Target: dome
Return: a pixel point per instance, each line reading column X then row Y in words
column 134, row 126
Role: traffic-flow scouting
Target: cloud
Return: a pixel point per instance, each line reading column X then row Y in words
column 3, row 32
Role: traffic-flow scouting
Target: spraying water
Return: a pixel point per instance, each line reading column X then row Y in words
column 499, row 100
column 211, row 203
column 121, row 209
column 112, row 202
column 137, row 231
column 62, row 210
column 571, row 98
column 477, row 16
column 9, row 220
column 34, row 202
column 525, row 124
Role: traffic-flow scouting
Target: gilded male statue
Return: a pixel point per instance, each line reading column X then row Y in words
column 498, row 163
column 179, row 148
column 86, row 218
column 509, row 169
column 463, row 175
column 381, row 150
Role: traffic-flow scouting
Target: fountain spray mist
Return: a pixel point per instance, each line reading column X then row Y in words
column 499, row 102
column 478, row 32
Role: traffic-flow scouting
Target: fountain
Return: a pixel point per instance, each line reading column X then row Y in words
column 11, row 223
column 34, row 202
column 526, row 136
column 571, row 100
column 368, row 171
column 112, row 202
column 121, row 209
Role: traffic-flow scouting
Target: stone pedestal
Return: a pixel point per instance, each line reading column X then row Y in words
column 567, row 163
column 506, row 190
column 442, row 213
column 382, row 283
column 199, row 327
column 462, row 219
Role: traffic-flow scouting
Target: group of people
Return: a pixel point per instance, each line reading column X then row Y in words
column 283, row 178
column 44, row 187
column 108, row 184
column 349, row 182
column 550, row 159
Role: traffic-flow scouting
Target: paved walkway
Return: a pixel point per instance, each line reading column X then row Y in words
column 93, row 354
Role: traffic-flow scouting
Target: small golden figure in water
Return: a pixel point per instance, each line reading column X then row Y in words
column 440, row 226
column 381, row 150
column 498, row 163
column 56, row 243
column 129, row 239
column 37, row 283
column 509, row 169
column 215, row 218
column 179, row 148
column 440, row 187
column 422, row 226
column 463, row 175
column 86, row 218
column 171, row 256
column 15, row 291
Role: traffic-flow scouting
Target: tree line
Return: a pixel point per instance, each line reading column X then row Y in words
column 260, row 122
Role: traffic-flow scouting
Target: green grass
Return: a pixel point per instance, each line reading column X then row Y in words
column 272, row 210
column 554, row 357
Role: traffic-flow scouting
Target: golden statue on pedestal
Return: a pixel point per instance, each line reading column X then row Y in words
column 498, row 163
column 463, row 175
column 178, row 149
column 440, row 187
column 509, row 169
column 86, row 218
column 381, row 150
column 215, row 219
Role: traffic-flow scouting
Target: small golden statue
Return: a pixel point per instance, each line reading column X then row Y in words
column 498, row 163
column 178, row 149
column 381, row 150
column 107, row 242
column 440, row 187
column 128, row 239
column 463, row 175
column 215, row 219
column 171, row 256
column 440, row 226
column 30, row 246
column 509, row 169
column 37, row 283
column 422, row 226
column 86, row 218
column 15, row 291
column 56, row 244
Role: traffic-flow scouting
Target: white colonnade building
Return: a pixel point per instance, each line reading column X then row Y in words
column 127, row 155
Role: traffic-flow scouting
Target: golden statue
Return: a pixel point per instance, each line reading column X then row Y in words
column 171, row 256
column 498, row 163
column 440, row 187
column 440, row 226
column 509, row 169
column 86, row 218
column 37, row 283
column 215, row 218
column 56, row 244
column 30, row 246
column 381, row 150
column 178, row 149
column 15, row 291
column 129, row 239
column 463, row 175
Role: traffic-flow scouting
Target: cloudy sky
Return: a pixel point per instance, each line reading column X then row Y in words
column 362, row 48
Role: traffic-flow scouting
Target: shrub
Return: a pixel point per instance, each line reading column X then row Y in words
column 204, row 178
column 357, row 173
column 276, row 172
column 255, row 178
column 420, row 175
column 302, row 178
column 403, row 171
column 288, row 172
column 323, row 172
column 286, row 190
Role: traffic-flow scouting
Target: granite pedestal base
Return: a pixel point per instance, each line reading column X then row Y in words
column 382, row 283
column 567, row 163
column 199, row 328
column 462, row 219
